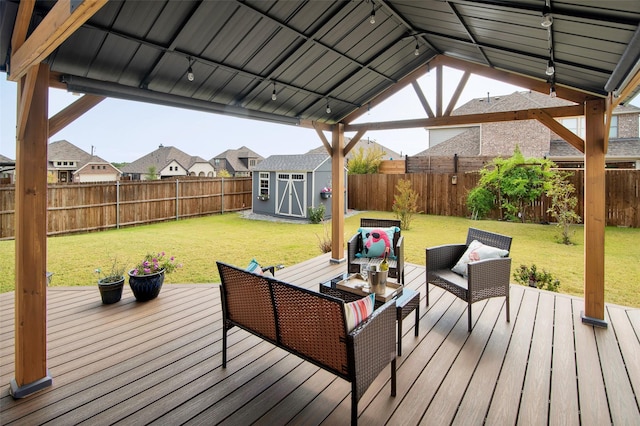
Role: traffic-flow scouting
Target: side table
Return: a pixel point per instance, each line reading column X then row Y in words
column 406, row 302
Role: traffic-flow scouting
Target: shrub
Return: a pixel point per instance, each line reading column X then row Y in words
column 405, row 203
column 365, row 162
column 534, row 278
column 563, row 203
column 316, row 215
column 324, row 241
column 480, row 201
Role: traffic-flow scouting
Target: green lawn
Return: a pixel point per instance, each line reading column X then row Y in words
column 199, row 242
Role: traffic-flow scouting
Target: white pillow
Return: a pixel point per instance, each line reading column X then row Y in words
column 477, row 251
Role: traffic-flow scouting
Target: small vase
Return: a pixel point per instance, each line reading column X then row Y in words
column 111, row 292
column 146, row 287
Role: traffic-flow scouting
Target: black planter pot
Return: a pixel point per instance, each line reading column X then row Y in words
column 146, row 287
column 111, row 292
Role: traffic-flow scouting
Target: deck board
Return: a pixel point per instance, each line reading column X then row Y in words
column 159, row 362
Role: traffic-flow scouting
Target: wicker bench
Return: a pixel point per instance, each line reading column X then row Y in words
column 310, row 325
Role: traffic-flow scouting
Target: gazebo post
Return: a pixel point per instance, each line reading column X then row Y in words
column 338, row 189
column 594, row 213
column 31, row 374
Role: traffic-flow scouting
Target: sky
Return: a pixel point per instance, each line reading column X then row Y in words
column 123, row 131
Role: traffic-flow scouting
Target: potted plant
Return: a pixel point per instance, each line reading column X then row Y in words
column 146, row 278
column 110, row 282
column 325, row 192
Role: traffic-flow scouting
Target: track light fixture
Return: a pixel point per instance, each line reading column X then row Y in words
column 274, row 96
column 190, row 75
column 547, row 18
column 372, row 18
column 551, row 69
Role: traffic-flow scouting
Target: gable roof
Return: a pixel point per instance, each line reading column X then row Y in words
column 292, row 163
column 4, row 159
column 233, row 158
column 160, row 158
column 365, row 144
column 465, row 144
column 64, row 150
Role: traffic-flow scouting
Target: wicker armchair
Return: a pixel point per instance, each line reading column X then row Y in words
column 486, row 278
column 354, row 245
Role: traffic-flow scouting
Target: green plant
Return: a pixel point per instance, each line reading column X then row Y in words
column 405, row 203
column 155, row 263
column 324, row 241
column 563, row 204
column 316, row 215
column 114, row 274
column 533, row 278
column 224, row 173
column 480, row 201
column 152, row 173
column 365, row 162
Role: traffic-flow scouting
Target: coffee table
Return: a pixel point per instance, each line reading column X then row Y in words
column 406, row 302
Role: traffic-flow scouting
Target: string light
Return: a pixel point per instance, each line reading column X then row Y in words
column 274, row 96
column 328, row 108
column 372, row 19
column 552, row 90
column 547, row 18
column 190, row 75
column 417, row 51
column 551, row 69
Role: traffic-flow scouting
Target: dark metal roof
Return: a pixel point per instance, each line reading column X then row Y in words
column 325, row 54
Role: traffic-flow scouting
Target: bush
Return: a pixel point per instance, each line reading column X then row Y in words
column 563, row 203
column 480, row 201
column 324, row 241
column 316, row 215
column 365, row 162
column 405, row 203
column 534, row 278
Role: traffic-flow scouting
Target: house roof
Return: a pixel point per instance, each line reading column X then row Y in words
column 233, row 158
column 292, row 163
column 617, row 148
column 465, row 144
column 364, row 144
column 4, row 159
column 63, row 150
column 160, row 158
column 326, row 53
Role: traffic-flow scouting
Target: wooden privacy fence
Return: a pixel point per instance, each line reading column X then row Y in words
column 439, row 195
column 97, row 206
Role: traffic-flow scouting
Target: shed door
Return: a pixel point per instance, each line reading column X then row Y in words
column 291, row 200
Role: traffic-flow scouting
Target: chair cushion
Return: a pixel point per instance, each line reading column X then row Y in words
column 376, row 240
column 477, row 251
column 359, row 310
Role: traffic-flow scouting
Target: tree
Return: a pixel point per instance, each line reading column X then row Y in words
column 405, row 203
column 365, row 162
column 152, row 173
column 224, row 173
column 563, row 204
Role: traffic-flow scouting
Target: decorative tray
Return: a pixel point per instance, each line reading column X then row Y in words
column 354, row 284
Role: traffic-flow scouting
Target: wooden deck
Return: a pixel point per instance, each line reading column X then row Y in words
column 159, row 363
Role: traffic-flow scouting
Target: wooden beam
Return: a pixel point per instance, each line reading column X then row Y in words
column 54, row 29
column 316, row 125
column 456, row 95
column 456, row 120
column 531, row 83
column 566, row 134
column 423, row 99
column 439, row 91
column 338, row 189
column 324, row 140
column 594, row 213
column 392, row 90
column 31, row 372
column 72, row 112
column 24, row 105
column 21, row 26
column 55, row 81
column 626, row 92
column 354, row 141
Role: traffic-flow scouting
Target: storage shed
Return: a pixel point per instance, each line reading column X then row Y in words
column 287, row 185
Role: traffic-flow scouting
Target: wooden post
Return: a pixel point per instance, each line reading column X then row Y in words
column 338, row 188
column 594, row 213
column 31, row 374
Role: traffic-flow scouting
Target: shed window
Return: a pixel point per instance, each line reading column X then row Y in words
column 264, row 183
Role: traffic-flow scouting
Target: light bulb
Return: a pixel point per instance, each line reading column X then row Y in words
column 190, row 75
column 417, row 52
column 550, row 68
column 328, row 109
column 274, row 96
column 552, row 91
column 547, row 19
column 373, row 17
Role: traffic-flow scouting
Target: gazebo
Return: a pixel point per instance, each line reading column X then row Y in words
column 319, row 65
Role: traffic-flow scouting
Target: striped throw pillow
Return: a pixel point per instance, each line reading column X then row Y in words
column 357, row 311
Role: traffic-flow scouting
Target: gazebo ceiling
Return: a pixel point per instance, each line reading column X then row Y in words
column 323, row 56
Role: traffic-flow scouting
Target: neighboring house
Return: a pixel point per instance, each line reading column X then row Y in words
column 68, row 163
column 365, row 144
column 168, row 162
column 287, row 185
column 533, row 138
column 7, row 170
column 238, row 162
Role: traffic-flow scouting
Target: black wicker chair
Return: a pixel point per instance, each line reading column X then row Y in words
column 486, row 278
column 354, row 245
